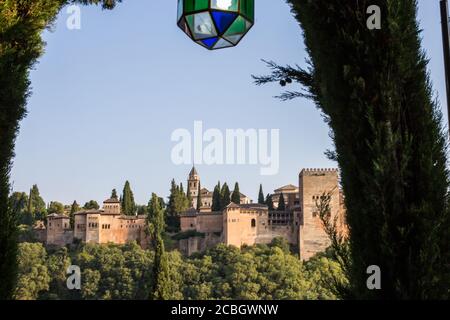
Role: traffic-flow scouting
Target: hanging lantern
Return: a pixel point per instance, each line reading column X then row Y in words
column 216, row 24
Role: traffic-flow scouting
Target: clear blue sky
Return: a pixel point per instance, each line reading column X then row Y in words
column 106, row 99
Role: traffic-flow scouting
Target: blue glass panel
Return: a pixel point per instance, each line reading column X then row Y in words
column 223, row 20
column 209, row 42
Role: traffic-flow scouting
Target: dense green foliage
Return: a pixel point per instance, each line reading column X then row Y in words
column 268, row 202
column 36, row 204
column 55, row 207
column 114, row 194
column 91, row 205
column 34, row 275
column 161, row 289
column 19, row 200
column 178, row 203
column 125, row 272
column 225, row 196
column 128, row 205
column 236, row 195
column 215, row 206
column 374, row 92
column 73, row 208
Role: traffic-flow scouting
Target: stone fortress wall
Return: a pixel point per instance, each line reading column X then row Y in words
column 249, row 224
column 238, row 224
column 97, row 226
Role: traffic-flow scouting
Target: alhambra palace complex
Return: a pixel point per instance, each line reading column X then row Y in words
column 240, row 224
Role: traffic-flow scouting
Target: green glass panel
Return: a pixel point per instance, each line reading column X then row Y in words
column 239, row 26
column 189, row 6
column 201, row 25
column 247, row 8
column 222, row 44
column 227, row 5
column 201, row 4
column 234, row 39
column 195, row 5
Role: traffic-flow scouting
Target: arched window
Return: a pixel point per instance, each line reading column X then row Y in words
column 253, row 223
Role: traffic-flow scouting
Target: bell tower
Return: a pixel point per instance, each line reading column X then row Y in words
column 193, row 183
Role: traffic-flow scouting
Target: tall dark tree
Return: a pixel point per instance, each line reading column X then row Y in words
column 199, row 197
column 373, row 90
column 261, row 199
column 281, row 203
column 171, row 206
column 225, row 198
column 216, row 198
column 178, row 203
column 73, row 209
column 36, row 205
column 160, row 290
column 236, row 195
column 269, row 202
column 114, row 194
column 181, row 187
column 22, row 24
column 128, row 204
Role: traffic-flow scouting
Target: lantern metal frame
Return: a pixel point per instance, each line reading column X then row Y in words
column 239, row 13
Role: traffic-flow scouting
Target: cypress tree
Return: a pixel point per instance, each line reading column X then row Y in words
column 216, row 199
column 160, row 281
column 269, row 202
column 36, row 205
column 114, row 194
column 174, row 207
column 181, row 187
column 261, row 199
column 281, row 203
column 128, row 204
column 373, row 90
column 74, row 208
column 199, row 198
column 172, row 198
column 236, row 195
column 224, row 196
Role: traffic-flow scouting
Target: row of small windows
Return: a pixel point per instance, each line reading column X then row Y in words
column 328, row 197
column 58, row 225
column 104, row 226
column 132, row 226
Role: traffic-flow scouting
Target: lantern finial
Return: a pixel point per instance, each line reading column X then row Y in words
column 216, row 24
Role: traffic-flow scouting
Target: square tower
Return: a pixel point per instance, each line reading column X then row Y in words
column 313, row 185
